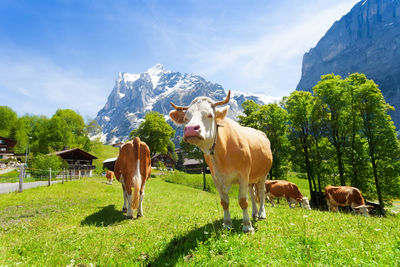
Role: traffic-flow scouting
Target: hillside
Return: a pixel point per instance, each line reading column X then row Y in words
column 81, row 224
column 366, row 40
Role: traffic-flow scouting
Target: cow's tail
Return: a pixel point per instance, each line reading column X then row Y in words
column 137, row 179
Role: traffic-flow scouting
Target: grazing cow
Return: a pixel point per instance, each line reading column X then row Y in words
column 234, row 154
column 346, row 196
column 132, row 169
column 110, row 177
column 280, row 188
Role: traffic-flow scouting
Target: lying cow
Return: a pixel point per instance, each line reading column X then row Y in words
column 346, row 196
column 132, row 169
column 279, row 188
column 110, row 177
column 234, row 154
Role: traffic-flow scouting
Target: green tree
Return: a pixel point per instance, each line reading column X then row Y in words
column 41, row 164
column 380, row 134
column 8, row 117
column 155, row 132
column 299, row 106
column 332, row 91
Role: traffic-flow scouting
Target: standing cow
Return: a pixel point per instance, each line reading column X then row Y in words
column 110, row 177
column 346, row 196
column 234, row 154
column 281, row 188
column 132, row 169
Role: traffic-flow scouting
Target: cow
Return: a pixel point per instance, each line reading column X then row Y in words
column 281, row 188
column 234, row 154
column 133, row 169
column 110, row 177
column 346, row 196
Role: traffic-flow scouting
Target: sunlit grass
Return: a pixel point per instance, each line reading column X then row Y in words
column 81, row 223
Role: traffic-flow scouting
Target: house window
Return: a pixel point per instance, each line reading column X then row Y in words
column 2, row 142
column 3, row 149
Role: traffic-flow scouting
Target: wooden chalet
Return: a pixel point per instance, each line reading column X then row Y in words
column 109, row 164
column 194, row 166
column 80, row 162
column 165, row 159
column 6, row 146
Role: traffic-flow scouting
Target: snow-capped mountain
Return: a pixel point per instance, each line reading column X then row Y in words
column 136, row 94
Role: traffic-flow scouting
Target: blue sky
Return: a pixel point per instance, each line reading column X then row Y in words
column 67, row 54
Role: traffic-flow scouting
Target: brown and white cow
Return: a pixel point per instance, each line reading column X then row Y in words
column 110, row 177
column 346, row 196
column 234, row 154
column 132, row 169
column 281, row 188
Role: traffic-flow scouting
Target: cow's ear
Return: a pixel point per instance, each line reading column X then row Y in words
column 178, row 116
column 221, row 113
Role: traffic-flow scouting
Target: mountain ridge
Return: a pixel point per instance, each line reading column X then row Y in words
column 135, row 94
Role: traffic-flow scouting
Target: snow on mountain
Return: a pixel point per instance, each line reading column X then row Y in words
column 136, row 94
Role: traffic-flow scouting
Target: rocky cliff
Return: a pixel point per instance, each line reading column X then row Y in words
column 366, row 40
column 136, row 94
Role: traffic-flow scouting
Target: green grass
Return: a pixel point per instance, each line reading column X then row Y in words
column 103, row 152
column 80, row 223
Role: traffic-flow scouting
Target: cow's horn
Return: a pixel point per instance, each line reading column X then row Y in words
column 177, row 107
column 224, row 101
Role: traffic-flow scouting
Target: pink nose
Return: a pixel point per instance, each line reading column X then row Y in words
column 192, row 130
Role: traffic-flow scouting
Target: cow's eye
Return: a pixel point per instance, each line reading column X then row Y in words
column 186, row 119
column 210, row 116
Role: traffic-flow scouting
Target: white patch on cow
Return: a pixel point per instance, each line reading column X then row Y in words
column 305, row 203
column 137, row 179
column 129, row 213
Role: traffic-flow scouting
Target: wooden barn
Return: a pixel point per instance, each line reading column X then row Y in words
column 109, row 164
column 165, row 159
column 80, row 162
column 6, row 146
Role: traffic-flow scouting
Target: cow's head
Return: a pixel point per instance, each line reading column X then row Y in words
column 363, row 210
column 200, row 119
column 305, row 204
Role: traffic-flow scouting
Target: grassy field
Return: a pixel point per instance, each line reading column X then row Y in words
column 80, row 224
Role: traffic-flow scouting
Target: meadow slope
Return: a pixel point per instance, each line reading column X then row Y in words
column 80, row 223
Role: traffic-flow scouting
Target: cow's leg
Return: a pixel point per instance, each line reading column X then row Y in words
column 223, row 194
column 128, row 192
column 124, row 209
column 271, row 199
column 243, row 186
column 140, row 209
column 261, row 194
column 253, row 202
column 292, row 202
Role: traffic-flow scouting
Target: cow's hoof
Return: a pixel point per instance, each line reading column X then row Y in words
column 124, row 210
column 139, row 215
column 130, row 217
column 262, row 217
column 227, row 226
column 248, row 229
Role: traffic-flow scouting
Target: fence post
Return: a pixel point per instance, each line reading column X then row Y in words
column 49, row 176
column 21, row 179
column 63, row 176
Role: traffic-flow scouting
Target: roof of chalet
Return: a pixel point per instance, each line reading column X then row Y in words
column 187, row 162
column 110, row 160
column 73, row 152
column 158, row 155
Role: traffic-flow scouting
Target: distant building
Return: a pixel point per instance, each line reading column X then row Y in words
column 165, row 159
column 80, row 162
column 194, row 166
column 109, row 164
column 6, row 146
